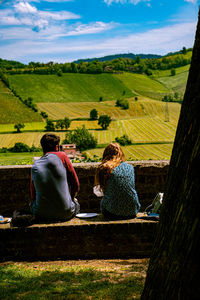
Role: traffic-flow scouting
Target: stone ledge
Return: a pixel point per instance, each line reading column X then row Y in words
column 78, row 239
column 150, row 177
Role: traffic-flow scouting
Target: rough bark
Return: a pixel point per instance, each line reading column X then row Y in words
column 175, row 262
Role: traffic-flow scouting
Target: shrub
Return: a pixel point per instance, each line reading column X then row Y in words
column 123, row 140
column 93, row 114
column 123, row 103
column 104, row 121
column 20, row 147
column 81, row 137
column 19, row 126
column 50, row 125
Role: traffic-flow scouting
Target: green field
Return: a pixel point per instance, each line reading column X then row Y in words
column 12, row 110
column 176, row 83
column 146, row 122
column 143, row 85
column 69, row 87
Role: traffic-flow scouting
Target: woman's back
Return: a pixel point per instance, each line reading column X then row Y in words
column 120, row 197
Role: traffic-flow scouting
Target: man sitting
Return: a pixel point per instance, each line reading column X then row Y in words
column 54, row 183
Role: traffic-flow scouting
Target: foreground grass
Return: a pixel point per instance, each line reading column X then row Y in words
column 95, row 279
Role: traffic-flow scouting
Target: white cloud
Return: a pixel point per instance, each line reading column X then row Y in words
column 61, row 15
column 191, row 1
column 96, row 27
column 158, row 41
column 135, row 2
column 25, row 14
column 25, row 7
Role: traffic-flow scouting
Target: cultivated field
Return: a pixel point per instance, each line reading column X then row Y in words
column 149, row 123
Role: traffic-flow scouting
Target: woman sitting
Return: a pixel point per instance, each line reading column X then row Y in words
column 117, row 181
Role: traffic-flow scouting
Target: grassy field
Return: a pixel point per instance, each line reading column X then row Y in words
column 144, row 151
column 176, row 83
column 18, row 158
column 69, row 87
column 146, row 122
column 85, row 280
column 12, row 110
column 143, row 85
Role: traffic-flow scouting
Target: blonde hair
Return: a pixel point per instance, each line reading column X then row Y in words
column 112, row 157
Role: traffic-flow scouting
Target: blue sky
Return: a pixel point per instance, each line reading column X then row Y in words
column 65, row 30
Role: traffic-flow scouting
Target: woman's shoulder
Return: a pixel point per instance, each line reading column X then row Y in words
column 124, row 166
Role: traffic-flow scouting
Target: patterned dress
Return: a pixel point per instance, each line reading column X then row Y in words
column 120, row 197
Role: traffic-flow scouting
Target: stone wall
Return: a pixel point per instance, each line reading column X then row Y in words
column 78, row 239
column 15, row 180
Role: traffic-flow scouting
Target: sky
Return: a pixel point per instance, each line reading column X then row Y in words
column 66, row 30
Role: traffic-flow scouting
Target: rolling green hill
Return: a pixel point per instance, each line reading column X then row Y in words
column 75, row 95
column 14, row 111
column 69, row 88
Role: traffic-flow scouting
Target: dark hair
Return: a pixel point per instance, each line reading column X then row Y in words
column 49, row 142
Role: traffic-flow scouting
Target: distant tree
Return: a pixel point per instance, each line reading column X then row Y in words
column 49, row 125
column 137, row 59
column 104, row 121
column 66, row 122
column 20, row 147
column 59, row 124
column 173, row 72
column 123, row 93
column 19, row 126
column 81, row 137
column 123, row 103
column 74, row 67
column 59, row 73
column 100, row 99
column 44, row 114
column 93, row 114
column 148, row 72
column 123, row 140
column 176, row 96
column 184, row 50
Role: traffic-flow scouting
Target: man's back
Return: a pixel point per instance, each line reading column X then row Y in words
column 53, row 199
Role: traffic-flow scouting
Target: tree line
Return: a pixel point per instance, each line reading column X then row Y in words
column 136, row 65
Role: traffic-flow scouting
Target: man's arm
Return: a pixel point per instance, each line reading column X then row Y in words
column 32, row 190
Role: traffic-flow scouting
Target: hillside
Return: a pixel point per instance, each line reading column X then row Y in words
column 72, row 87
column 149, row 123
column 69, row 87
column 12, row 110
column 115, row 56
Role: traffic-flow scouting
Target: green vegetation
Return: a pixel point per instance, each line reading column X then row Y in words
column 69, row 87
column 143, row 85
column 128, row 94
column 19, row 127
column 25, row 158
column 65, row 123
column 123, row 103
column 123, row 140
column 20, row 147
column 104, row 121
column 94, row 114
column 81, row 137
column 110, row 279
column 12, row 110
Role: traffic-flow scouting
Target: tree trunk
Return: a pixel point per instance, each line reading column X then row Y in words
column 174, row 269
